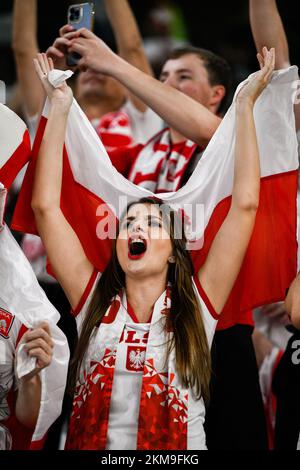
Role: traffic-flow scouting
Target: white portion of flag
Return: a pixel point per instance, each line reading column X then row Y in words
column 21, row 295
column 12, row 130
column 212, row 179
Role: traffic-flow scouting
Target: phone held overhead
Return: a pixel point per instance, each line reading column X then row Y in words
column 80, row 15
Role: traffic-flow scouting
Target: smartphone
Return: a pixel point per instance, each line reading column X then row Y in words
column 80, row 15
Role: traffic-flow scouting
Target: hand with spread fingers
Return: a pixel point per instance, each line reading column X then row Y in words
column 62, row 95
column 258, row 82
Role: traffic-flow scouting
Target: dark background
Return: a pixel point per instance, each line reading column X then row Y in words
column 222, row 26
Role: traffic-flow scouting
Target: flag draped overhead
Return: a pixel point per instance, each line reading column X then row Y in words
column 90, row 180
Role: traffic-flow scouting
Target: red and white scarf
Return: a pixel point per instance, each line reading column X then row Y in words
column 160, row 165
column 165, row 405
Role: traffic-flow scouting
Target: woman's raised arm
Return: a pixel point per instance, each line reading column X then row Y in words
column 224, row 260
column 69, row 262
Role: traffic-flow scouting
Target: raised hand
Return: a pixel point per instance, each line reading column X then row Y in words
column 59, row 49
column 61, row 95
column 259, row 81
column 94, row 52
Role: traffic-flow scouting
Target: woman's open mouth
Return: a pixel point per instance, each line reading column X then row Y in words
column 137, row 247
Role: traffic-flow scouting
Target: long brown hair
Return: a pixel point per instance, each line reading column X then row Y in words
column 184, row 319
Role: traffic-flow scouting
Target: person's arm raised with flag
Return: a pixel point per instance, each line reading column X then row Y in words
column 229, row 247
column 69, row 262
column 71, row 266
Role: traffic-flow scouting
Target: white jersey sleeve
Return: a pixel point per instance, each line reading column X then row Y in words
column 144, row 125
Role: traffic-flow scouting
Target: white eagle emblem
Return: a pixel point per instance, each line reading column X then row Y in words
column 137, row 358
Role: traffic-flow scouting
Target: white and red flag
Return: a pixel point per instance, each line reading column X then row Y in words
column 22, row 296
column 14, row 145
column 91, row 183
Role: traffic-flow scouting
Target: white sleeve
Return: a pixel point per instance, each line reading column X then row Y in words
column 144, row 124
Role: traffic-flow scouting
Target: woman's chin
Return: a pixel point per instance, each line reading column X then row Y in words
column 137, row 268
column 134, row 267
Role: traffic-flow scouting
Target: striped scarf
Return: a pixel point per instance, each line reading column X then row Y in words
column 163, row 402
column 160, row 166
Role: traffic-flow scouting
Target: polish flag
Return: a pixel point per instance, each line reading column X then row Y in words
column 22, row 296
column 15, row 145
column 90, row 180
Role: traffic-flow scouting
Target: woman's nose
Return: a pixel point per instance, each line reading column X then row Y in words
column 138, row 226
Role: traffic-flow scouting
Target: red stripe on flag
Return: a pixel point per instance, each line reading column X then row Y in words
column 80, row 207
column 23, row 218
column 16, row 161
column 38, row 445
column 78, row 204
column 270, row 263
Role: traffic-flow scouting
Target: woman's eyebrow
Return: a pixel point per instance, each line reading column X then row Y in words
column 148, row 217
column 154, row 217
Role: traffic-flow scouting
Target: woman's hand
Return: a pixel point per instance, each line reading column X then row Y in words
column 251, row 91
column 38, row 344
column 61, row 96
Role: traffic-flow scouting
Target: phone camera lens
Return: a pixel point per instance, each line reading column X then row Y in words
column 76, row 13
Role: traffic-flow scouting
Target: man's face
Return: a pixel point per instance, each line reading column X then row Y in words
column 95, row 85
column 189, row 75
